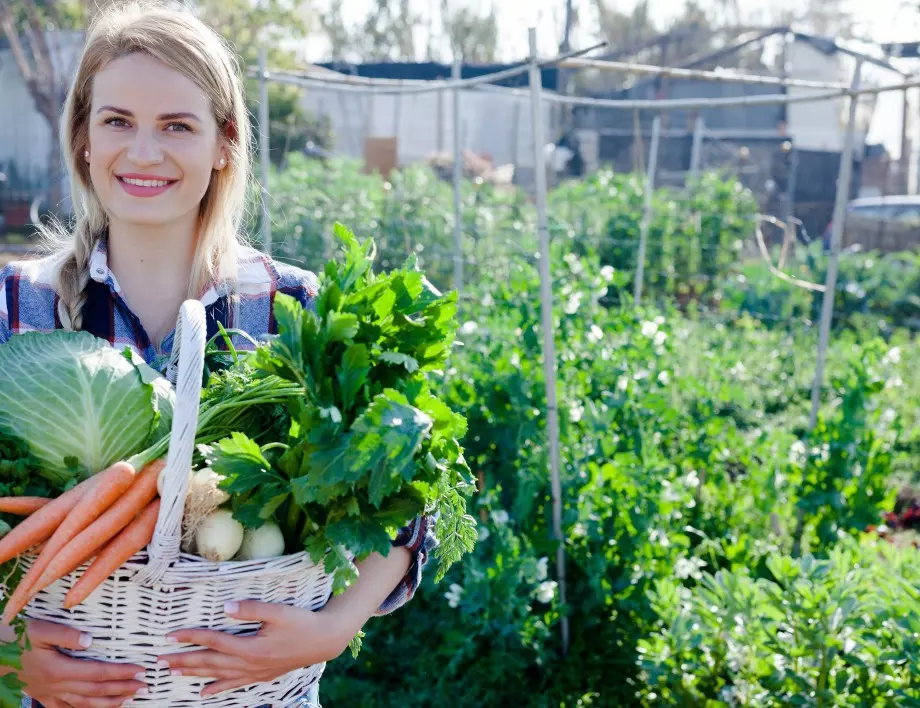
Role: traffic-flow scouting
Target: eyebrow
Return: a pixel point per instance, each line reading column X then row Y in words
column 162, row 116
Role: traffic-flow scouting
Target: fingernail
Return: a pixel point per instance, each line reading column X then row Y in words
column 86, row 640
column 162, row 664
column 175, row 672
column 140, row 676
column 142, row 692
column 231, row 608
column 172, row 640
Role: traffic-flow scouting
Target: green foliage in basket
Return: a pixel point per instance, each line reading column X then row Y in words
column 369, row 446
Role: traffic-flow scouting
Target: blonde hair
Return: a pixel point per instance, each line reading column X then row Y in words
column 179, row 40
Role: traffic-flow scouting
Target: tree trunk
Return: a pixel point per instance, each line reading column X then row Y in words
column 55, row 164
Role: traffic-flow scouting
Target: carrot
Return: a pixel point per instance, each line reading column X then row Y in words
column 116, row 552
column 109, row 485
column 40, row 526
column 82, row 547
column 22, row 506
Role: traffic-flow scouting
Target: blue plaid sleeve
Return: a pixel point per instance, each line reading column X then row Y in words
column 420, row 540
column 5, row 274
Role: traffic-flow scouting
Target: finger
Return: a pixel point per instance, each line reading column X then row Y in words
column 78, row 701
column 99, row 688
column 58, row 635
column 206, row 659
column 256, row 611
column 68, row 668
column 214, row 639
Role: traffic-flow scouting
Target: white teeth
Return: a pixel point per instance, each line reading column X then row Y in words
column 145, row 182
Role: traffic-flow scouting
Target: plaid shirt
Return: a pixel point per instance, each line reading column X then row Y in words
column 28, row 302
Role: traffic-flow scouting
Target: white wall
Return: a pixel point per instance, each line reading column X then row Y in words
column 25, row 137
column 492, row 123
column 821, row 125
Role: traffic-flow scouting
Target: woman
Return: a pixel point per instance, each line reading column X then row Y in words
column 157, row 141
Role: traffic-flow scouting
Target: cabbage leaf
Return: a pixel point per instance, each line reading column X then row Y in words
column 78, row 403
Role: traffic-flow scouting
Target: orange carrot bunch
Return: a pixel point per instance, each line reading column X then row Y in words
column 111, row 516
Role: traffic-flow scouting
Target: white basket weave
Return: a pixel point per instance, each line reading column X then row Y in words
column 161, row 589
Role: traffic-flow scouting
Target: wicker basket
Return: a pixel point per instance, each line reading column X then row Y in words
column 161, row 589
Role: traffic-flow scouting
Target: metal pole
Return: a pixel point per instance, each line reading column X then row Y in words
column 696, row 149
column 830, row 283
column 791, row 184
column 546, row 307
column 904, row 161
column 456, row 74
column 647, row 209
column 263, row 151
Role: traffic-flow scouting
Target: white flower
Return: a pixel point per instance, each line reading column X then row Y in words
column 656, row 536
column 797, row 453
column 573, row 303
column 692, row 479
column 689, row 568
column 576, row 411
column 500, row 517
column 595, row 334
column 453, row 595
column 660, row 338
column 893, row 356
column 738, row 370
column 542, row 569
column 649, row 329
column 607, row 273
column 664, row 378
column 546, row 591
column 888, row 416
column 484, row 533
column 469, row 327
column 622, row 383
column 488, row 301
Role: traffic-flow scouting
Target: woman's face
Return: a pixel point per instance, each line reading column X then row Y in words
column 153, row 142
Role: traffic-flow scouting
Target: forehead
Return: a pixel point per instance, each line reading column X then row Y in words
column 147, row 87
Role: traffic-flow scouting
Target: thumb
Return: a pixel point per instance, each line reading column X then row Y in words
column 58, row 635
column 255, row 611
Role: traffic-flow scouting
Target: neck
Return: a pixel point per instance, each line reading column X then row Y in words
column 153, row 267
column 160, row 257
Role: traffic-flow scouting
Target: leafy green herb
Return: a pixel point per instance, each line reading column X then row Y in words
column 369, row 446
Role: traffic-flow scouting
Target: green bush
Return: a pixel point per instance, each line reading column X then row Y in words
column 686, row 454
column 839, row 631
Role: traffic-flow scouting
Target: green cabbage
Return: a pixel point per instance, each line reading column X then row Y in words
column 79, row 404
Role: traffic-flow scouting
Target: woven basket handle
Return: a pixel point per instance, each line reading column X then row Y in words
column 190, row 339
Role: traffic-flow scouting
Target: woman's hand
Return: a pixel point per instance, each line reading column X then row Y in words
column 61, row 681
column 290, row 638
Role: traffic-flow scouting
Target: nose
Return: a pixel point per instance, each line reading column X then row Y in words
column 144, row 149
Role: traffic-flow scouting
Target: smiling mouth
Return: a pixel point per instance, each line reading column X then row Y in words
column 136, row 187
column 146, row 182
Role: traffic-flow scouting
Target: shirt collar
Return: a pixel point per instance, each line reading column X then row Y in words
column 100, row 271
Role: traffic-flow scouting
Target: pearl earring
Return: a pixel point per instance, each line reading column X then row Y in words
column 86, row 153
column 222, row 162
